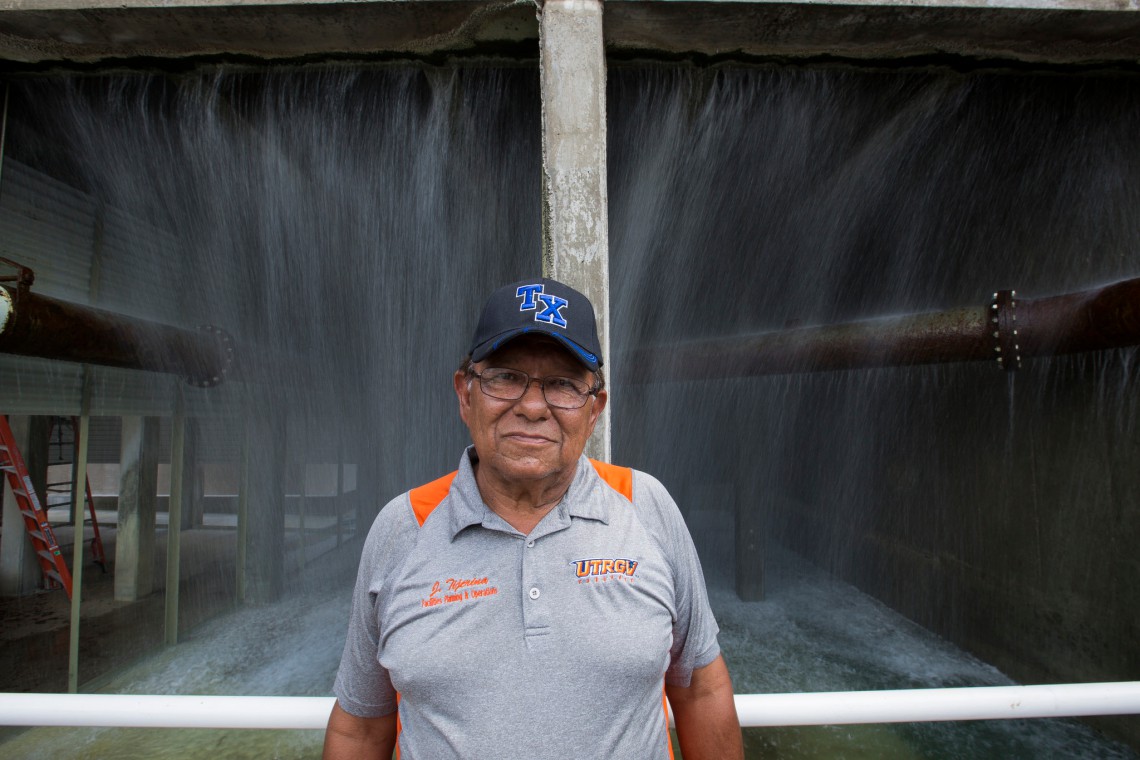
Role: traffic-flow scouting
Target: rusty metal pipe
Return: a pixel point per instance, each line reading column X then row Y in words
column 1007, row 331
column 48, row 328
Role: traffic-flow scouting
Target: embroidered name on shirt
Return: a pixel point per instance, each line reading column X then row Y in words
column 602, row 570
column 455, row 590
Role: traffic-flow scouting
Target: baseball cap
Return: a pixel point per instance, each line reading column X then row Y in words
column 539, row 305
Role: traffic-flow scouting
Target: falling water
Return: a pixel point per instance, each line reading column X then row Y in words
column 340, row 223
column 344, row 223
column 991, row 508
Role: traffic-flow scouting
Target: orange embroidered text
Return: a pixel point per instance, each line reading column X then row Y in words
column 585, row 568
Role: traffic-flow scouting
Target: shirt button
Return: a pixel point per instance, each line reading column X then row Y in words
column 530, row 544
column 535, row 593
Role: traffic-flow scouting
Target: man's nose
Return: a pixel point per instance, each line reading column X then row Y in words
column 536, row 399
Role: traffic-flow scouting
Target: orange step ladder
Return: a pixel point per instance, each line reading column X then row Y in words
column 35, row 518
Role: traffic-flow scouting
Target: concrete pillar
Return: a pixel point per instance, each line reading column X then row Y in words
column 575, row 220
column 261, row 509
column 138, row 503
column 297, row 473
column 192, row 485
column 751, row 537
column 174, row 517
column 19, row 569
column 78, row 494
column 753, row 532
column 339, row 489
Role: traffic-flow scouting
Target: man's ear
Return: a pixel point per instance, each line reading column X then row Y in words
column 463, row 393
column 599, row 404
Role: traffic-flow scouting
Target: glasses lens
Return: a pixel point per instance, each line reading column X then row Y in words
column 564, row 392
column 503, row 383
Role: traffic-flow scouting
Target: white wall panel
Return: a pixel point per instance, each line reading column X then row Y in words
column 139, row 267
column 49, row 227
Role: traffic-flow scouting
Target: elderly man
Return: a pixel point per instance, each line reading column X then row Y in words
column 534, row 603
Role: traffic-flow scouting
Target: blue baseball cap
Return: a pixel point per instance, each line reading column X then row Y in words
column 542, row 306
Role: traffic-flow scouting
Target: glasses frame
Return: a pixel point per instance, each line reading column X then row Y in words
column 542, row 381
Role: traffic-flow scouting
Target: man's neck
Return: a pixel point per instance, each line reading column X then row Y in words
column 522, row 505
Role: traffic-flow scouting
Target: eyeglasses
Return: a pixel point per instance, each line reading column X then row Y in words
column 512, row 384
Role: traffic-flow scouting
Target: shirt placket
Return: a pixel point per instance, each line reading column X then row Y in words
column 536, row 579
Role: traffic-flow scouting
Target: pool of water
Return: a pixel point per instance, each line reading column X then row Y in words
column 811, row 633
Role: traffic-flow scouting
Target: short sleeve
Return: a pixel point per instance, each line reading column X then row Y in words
column 694, row 628
column 363, row 686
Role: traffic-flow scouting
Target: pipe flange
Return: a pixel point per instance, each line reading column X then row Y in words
column 219, row 374
column 7, row 308
column 1003, row 330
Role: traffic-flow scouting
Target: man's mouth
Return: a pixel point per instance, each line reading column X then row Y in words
column 527, row 438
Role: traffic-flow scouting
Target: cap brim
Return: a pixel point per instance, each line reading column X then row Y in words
column 484, row 349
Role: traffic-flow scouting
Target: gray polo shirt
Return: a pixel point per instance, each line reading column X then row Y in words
column 555, row 644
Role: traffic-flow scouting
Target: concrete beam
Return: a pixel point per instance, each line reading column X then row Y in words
column 1037, row 31
column 1053, row 31
column 575, row 219
column 33, row 30
column 138, row 504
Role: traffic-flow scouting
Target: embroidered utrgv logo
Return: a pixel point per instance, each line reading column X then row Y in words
column 590, row 568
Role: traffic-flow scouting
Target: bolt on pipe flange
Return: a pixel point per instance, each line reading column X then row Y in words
column 219, row 373
column 1003, row 329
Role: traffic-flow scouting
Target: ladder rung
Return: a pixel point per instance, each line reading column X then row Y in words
column 54, row 576
column 8, row 467
column 46, row 555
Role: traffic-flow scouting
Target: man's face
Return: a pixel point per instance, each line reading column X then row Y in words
column 527, row 440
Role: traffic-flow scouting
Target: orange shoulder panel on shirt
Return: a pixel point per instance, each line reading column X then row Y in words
column 619, row 478
column 427, row 497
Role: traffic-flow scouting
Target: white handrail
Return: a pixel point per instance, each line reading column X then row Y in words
column 802, row 709
column 928, row 705
column 163, row 711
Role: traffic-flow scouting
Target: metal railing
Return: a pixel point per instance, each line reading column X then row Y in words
column 798, row 709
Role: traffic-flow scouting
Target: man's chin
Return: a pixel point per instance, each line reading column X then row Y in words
column 527, row 467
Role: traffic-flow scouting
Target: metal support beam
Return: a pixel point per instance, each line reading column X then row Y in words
column 574, row 202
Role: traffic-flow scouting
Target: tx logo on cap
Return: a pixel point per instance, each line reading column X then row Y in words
column 551, row 304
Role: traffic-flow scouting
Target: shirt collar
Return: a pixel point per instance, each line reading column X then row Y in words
column 582, row 498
